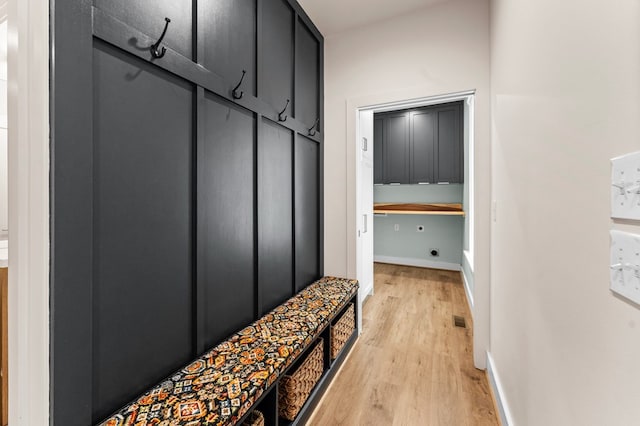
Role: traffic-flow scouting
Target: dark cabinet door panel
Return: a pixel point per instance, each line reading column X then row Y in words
column 148, row 16
column 307, row 215
column 423, row 133
column 396, row 149
column 449, row 149
column 276, row 74
column 142, row 244
column 275, row 216
column 378, row 154
column 307, row 75
column 226, row 218
column 229, row 36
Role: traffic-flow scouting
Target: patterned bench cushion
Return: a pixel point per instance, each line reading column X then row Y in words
column 222, row 385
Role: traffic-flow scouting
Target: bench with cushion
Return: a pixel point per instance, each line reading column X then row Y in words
column 226, row 383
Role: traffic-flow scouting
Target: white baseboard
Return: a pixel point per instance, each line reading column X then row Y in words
column 498, row 392
column 467, row 289
column 423, row 263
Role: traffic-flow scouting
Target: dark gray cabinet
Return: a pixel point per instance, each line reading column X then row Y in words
column 395, row 148
column 421, row 146
column 423, row 142
column 449, row 149
column 179, row 213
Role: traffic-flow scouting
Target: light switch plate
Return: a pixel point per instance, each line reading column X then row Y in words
column 625, row 186
column 625, row 265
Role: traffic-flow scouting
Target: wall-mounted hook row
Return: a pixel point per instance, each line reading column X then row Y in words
column 312, row 129
column 154, row 47
column 234, row 92
column 280, row 114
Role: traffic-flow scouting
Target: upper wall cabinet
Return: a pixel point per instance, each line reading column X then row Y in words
column 449, row 144
column 228, row 30
column 307, row 103
column 148, row 16
column 276, row 58
column 421, row 146
column 395, row 145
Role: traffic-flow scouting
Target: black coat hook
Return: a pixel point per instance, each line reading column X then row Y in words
column 154, row 47
column 312, row 129
column 235, row 93
column 280, row 118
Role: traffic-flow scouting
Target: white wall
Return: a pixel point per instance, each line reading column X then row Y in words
column 565, row 99
column 440, row 49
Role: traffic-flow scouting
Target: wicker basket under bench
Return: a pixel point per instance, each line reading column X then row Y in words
column 342, row 330
column 295, row 388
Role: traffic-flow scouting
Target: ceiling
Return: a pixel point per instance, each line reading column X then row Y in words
column 334, row 16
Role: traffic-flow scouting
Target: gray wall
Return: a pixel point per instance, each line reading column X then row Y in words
column 442, row 232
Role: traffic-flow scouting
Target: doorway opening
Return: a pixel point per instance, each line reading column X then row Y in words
column 364, row 166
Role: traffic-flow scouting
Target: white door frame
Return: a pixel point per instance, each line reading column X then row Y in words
column 354, row 251
column 28, row 130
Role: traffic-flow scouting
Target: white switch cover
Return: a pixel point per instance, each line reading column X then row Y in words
column 625, row 265
column 625, row 186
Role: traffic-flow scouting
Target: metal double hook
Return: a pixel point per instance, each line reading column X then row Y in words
column 312, row 129
column 235, row 93
column 154, row 47
column 280, row 117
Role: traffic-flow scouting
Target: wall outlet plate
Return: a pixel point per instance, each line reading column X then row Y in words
column 625, row 265
column 625, row 186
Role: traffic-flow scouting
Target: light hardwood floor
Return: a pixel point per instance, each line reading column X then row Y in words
column 410, row 366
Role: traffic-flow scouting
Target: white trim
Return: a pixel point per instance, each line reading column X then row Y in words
column 28, row 111
column 498, row 392
column 366, row 290
column 467, row 289
column 422, row 263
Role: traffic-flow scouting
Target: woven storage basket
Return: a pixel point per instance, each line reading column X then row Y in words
column 255, row 419
column 294, row 389
column 342, row 330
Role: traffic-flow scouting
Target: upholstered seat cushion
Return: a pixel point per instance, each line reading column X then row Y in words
column 222, row 385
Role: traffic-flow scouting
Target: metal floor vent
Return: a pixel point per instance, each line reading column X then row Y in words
column 459, row 321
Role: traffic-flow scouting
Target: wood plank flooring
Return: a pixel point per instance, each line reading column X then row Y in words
column 410, row 366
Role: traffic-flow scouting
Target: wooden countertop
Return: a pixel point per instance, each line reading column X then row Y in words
column 445, row 209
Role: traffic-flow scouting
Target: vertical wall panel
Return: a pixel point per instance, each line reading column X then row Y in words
column 142, row 288
column 307, row 214
column 226, row 219
column 229, row 28
column 275, row 202
column 148, row 17
column 276, row 73
column 307, row 75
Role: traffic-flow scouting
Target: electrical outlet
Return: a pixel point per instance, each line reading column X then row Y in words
column 420, row 228
column 396, row 227
column 625, row 265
